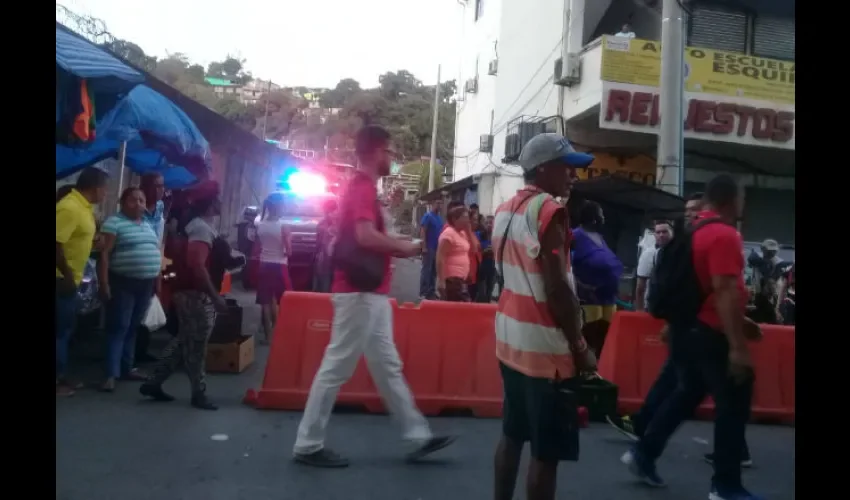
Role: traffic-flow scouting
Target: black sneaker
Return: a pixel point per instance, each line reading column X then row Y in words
column 644, row 470
column 746, row 463
column 624, row 425
column 324, row 458
column 155, row 392
column 202, row 402
column 430, row 446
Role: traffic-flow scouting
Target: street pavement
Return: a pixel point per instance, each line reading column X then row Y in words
column 119, row 447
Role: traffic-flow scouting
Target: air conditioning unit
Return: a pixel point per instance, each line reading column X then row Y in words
column 512, row 148
column 493, row 67
column 485, row 144
column 570, row 73
column 527, row 130
column 471, row 86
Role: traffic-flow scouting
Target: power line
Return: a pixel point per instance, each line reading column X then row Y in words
column 531, row 80
column 500, row 128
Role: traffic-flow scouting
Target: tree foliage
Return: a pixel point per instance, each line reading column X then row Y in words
column 400, row 102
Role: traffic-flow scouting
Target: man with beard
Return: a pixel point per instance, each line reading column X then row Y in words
column 362, row 320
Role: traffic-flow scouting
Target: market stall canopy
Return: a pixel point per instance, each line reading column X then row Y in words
column 89, row 83
column 629, row 195
column 83, row 59
column 159, row 137
column 147, row 115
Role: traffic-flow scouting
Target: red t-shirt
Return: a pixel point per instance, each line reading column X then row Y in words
column 360, row 203
column 718, row 251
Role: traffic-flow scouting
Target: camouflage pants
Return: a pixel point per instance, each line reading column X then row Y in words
column 195, row 318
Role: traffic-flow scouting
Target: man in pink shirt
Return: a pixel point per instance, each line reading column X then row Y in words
column 362, row 322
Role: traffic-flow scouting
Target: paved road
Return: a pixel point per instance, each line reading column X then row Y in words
column 117, row 447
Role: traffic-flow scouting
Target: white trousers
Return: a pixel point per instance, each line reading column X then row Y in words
column 362, row 324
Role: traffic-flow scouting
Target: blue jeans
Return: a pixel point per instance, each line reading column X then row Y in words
column 428, row 274
column 663, row 387
column 66, row 319
column 701, row 358
column 125, row 311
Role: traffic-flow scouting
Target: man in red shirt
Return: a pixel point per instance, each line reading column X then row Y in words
column 362, row 321
column 712, row 356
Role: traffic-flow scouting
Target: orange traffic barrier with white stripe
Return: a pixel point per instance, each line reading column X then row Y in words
column 447, row 349
column 634, row 354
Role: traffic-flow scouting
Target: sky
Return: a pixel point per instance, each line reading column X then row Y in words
column 313, row 43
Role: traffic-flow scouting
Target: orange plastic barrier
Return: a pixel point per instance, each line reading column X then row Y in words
column 447, row 350
column 225, row 284
column 634, row 354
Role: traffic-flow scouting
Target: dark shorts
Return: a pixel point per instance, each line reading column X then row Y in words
column 541, row 412
column 272, row 281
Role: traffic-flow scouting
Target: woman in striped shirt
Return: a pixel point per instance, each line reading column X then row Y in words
column 129, row 265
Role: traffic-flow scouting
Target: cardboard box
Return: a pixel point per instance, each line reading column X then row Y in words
column 228, row 326
column 232, row 357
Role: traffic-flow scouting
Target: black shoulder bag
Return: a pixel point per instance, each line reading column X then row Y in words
column 364, row 268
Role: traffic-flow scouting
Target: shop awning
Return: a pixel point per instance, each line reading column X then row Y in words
column 464, row 183
column 629, row 195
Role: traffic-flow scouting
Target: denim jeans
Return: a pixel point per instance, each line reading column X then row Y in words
column 66, row 319
column 125, row 311
column 663, row 387
column 701, row 358
column 486, row 281
column 428, row 274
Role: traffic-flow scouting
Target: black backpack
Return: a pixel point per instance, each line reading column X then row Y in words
column 675, row 294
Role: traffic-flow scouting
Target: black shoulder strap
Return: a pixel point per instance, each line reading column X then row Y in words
column 505, row 238
column 704, row 222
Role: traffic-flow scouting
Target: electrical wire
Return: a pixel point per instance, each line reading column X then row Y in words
column 531, row 80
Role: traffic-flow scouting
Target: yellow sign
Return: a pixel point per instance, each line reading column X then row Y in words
column 636, row 168
column 707, row 71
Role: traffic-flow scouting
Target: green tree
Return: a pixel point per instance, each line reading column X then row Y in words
column 131, row 53
column 230, row 68
column 285, row 114
column 340, row 95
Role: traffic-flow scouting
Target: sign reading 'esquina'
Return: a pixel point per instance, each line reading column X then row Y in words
column 638, row 62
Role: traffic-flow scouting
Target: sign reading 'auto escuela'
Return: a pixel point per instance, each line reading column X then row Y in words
column 638, row 62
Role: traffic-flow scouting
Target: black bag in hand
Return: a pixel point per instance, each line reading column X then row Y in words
column 364, row 268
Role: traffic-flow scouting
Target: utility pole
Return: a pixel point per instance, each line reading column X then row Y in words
column 266, row 114
column 670, row 173
column 432, row 168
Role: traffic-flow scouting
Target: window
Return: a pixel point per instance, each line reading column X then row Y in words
column 737, row 31
column 774, row 37
column 720, row 29
column 478, row 7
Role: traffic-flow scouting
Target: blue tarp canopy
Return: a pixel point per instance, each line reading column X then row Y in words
column 159, row 136
column 108, row 78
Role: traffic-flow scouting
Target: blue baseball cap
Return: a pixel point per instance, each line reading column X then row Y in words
column 545, row 148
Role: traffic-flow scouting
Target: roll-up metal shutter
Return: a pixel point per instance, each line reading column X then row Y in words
column 774, row 37
column 718, row 29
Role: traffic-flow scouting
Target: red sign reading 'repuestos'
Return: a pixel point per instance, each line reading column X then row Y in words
column 703, row 116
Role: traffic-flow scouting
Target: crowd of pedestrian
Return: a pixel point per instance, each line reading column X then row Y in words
column 131, row 249
column 457, row 254
column 558, row 292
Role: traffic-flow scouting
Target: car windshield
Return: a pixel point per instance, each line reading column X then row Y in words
column 303, row 206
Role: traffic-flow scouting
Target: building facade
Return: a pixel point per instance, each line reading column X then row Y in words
column 570, row 72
